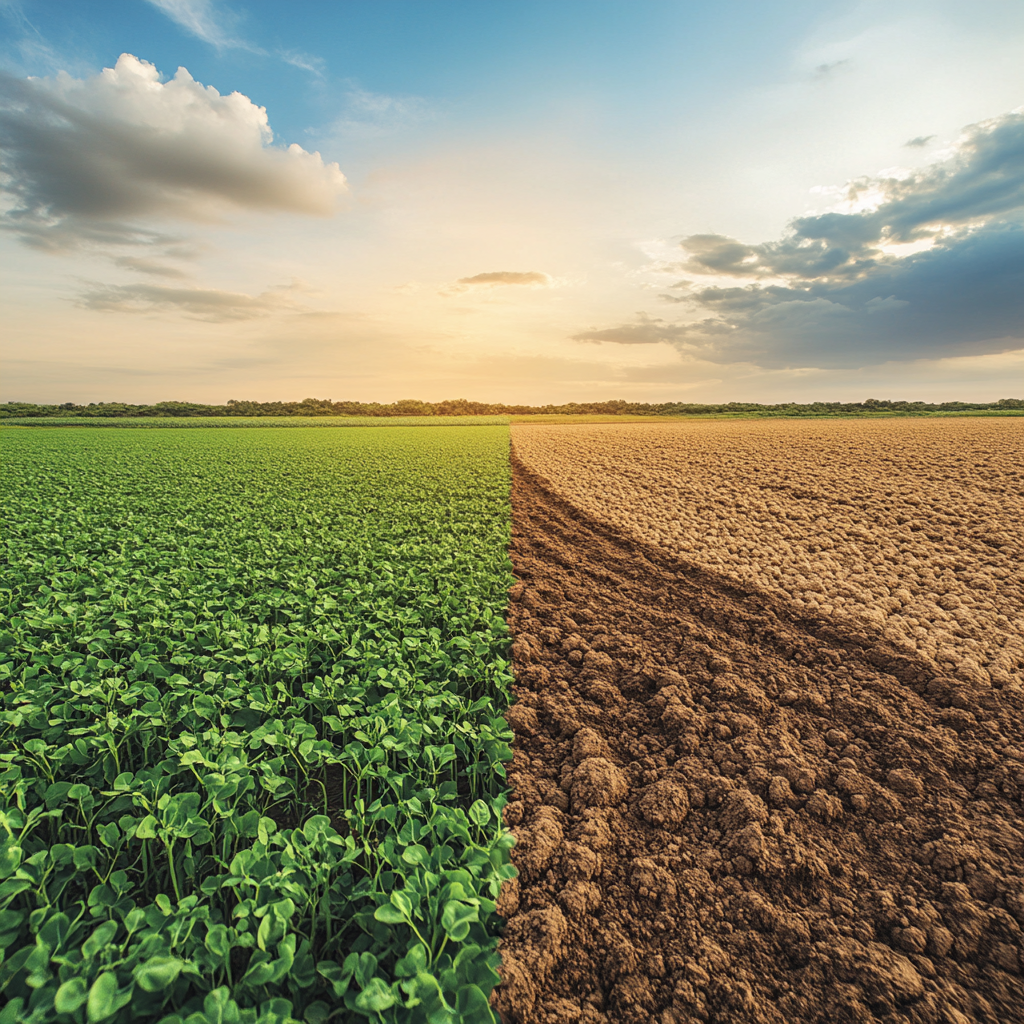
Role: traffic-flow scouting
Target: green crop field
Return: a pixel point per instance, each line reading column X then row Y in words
column 252, row 421
column 251, row 754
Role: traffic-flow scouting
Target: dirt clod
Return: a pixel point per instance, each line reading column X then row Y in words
column 665, row 804
column 596, row 782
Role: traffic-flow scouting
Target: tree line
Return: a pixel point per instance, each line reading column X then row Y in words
column 463, row 407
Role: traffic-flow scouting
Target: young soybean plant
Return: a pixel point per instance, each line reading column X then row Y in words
column 250, row 742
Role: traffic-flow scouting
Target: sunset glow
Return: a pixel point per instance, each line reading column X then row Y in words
column 538, row 203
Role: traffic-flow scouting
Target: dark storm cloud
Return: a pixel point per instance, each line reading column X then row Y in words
column 829, row 294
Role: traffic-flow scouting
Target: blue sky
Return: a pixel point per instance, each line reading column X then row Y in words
column 532, row 202
column 484, row 61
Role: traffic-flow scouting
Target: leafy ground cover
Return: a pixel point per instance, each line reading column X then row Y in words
column 250, row 745
column 256, row 421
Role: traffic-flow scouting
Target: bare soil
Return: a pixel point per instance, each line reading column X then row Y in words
column 912, row 526
column 728, row 810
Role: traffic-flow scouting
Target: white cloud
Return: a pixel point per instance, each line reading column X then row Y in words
column 209, row 304
column 305, row 61
column 503, row 277
column 88, row 159
column 500, row 279
column 368, row 115
column 200, row 18
column 151, row 267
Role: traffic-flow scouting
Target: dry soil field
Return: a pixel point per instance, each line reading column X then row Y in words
column 769, row 733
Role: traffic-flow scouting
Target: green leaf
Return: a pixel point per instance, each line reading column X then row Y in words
column 13, row 886
column 217, row 940
column 479, row 813
column 71, row 995
column 260, row 970
column 85, row 857
column 472, row 1005
column 109, row 834
column 317, row 826
column 11, row 1013
column 55, row 931
column 146, row 829
column 104, row 998
column 157, row 973
column 456, row 919
column 401, row 901
column 413, row 963
column 335, row 975
column 265, row 829
column 99, row 939
column 10, row 858
column 219, row 1008
column 364, row 965
column 375, row 997
column 317, row 1013
column 415, row 854
column 276, row 1011
column 61, row 853
column 55, row 793
column 389, row 914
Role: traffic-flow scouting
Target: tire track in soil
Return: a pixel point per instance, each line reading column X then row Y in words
column 725, row 814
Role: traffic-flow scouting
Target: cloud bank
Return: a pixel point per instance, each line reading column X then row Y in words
column 910, row 264
column 87, row 160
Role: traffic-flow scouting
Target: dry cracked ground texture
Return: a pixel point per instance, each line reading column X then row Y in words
column 730, row 809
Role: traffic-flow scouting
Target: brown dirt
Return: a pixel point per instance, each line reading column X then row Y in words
column 908, row 526
column 730, row 812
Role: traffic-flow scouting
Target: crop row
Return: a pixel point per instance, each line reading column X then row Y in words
column 250, row 745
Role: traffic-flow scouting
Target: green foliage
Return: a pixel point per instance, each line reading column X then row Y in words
column 158, row 420
column 325, row 412
column 250, row 741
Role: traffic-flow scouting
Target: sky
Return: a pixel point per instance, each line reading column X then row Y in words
column 547, row 201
